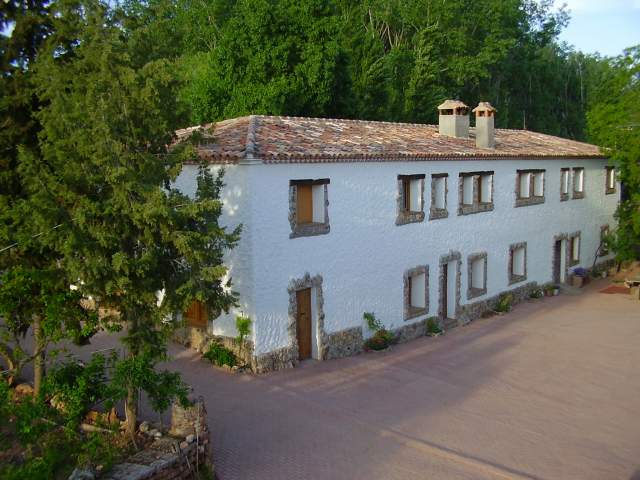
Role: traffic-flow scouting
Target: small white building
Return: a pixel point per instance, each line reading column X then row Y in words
column 409, row 221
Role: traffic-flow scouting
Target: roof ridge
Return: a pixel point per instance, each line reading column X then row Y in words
column 351, row 120
column 250, row 142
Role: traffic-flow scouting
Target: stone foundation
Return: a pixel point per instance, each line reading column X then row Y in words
column 280, row 359
column 343, row 343
column 410, row 331
column 473, row 311
column 199, row 339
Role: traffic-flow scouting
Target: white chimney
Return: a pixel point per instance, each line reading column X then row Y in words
column 485, row 114
column 454, row 119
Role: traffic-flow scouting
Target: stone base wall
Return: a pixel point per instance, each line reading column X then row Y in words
column 473, row 311
column 343, row 343
column 177, row 457
column 276, row 360
column 409, row 332
column 199, row 339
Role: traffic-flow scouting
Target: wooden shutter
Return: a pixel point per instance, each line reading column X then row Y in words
column 196, row 315
column 304, row 207
column 406, row 194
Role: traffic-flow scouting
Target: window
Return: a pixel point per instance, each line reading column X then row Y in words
column 610, row 178
column 564, row 184
column 517, row 262
column 578, row 182
column 529, row 187
column 438, row 196
column 308, row 207
column 410, row 199
column 416, row 292
column 574, row 249
column 475, row 192
column 604, row 236
column 477, row 275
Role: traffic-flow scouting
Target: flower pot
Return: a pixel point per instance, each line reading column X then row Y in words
column 604, row 274
column 556, row 292
column 577, row 281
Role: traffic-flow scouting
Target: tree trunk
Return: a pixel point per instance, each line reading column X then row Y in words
column 38, row 356
column 131, row 410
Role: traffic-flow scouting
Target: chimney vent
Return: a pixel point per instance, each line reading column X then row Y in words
column 454, row 119
column 485, row 114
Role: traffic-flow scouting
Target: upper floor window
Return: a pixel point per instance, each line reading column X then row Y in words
column 308, row 207
column 610, row 178
column 578, row 182
column 475, row 192
column 564, row 184
column 410, row 199
column 529, row 187
column 438, row 196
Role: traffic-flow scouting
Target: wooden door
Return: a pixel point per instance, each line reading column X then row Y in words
column 303, row 323
column 196, row 315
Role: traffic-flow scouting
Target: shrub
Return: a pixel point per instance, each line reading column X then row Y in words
column 220, row 355
column 380, row 340
column 505, row 302
column 372, row 322
column 536, row 293
column 433, row 328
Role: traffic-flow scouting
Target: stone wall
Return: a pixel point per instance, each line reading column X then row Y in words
column 179, row 456
column 199, row 339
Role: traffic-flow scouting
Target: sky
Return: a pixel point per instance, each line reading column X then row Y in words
column 603, row 26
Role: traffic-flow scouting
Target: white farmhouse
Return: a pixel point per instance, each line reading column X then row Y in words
column 409, row 221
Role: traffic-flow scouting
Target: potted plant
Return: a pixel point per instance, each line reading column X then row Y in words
column 433, row 328
column 536, row 293
column 548, row 290
column 556, row 290
column 579, row 277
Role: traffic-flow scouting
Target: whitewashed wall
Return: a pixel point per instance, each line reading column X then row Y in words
column 364, row 256
column 237, row 210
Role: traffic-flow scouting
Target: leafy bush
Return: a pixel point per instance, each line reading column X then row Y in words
column 243, row 325
column 219, row 355
column 380, row 340
column 505, row 302
column 433, row 328
column 77, row 386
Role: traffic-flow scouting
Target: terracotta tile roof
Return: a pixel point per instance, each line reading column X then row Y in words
column 310, row 140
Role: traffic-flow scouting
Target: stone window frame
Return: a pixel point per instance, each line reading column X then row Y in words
column 531, row 199
column 308, row 229
column 410, row 312
column 405, row 217
column 609, row 190
column 604, row 251
column 565, row 196
column 437, row 213
column 570, row 260
column 577, row 194
column 473, row 292
column 444, row 260
column 477, row 206
column 306, row 281
column 517, row 278
column 557, row 238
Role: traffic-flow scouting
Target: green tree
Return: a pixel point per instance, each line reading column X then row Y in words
column 139, row 246
column 614, row 123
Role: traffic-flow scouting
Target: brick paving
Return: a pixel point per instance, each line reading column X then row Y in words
column 548, row 391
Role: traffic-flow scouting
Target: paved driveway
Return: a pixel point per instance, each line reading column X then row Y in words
column 551, row 390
